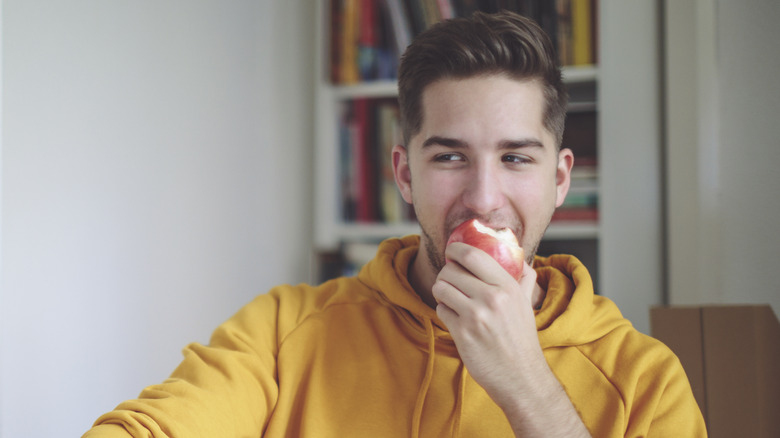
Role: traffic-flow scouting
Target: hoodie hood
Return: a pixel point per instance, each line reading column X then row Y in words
column 571, row 314
column 387, row 275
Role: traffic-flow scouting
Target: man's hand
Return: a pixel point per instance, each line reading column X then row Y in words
column 491, row 319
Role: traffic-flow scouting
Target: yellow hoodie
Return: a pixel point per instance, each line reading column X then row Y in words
column 365, row 357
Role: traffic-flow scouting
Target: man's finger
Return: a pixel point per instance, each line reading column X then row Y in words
column 477, row 262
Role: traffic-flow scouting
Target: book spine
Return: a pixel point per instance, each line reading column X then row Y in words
column 446, row 10
column 371, row 164
column 391, row 207
column 548, row 20
column 346, row 175
column 464, row 8
column 334, row 51
column 416, row 14
column 348, row 70
column 360, row 157
column 584, row 214
column 400, row 24
column 594, row 31
column 386, row 64
column 581, row 31
column 431, row 12
column 564, row 32
column 368, row 40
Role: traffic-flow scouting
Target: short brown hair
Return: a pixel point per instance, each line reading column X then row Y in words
column 502, row 43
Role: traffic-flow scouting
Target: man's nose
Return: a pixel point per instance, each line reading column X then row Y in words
column 484, row 191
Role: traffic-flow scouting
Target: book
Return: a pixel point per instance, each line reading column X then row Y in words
column 564, row 32
column 431, row 12
column 464, row 8
column 346, row 261
column 576, row 214
column 402, row 32
column 580, row 199
column 594, row 31
column 348, row 197
column 349, row 33
column 392, row 205
column 368, row 40
column 582, row 44
column 387, row 55
column 363, row 161
column 580, row 134
column 446, row 10
column 416, row 13
column 334, row 51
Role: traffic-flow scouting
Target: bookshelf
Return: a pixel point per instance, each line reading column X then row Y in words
column 334, row 228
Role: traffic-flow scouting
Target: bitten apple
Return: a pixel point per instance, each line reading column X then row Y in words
column 500, row 244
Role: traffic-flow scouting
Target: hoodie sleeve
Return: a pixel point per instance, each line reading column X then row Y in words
column 227, row 388
column 662, row 402
column 677, row 412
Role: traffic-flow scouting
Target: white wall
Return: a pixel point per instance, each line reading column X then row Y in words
column 630, row 176
column 723, row 151
column 155, row 177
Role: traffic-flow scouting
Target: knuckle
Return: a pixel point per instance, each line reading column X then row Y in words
column 471, row 256
column 481, row 317
column 495, row 301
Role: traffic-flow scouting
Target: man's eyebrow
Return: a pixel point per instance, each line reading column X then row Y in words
column 521, row 143
column 444, row 141
column 504, row 144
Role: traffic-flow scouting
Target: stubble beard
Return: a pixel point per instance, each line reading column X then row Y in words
column 435, row 255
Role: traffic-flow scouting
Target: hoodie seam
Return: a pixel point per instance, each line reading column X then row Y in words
column 320, row 311
column 607, row 377
column 405, row 313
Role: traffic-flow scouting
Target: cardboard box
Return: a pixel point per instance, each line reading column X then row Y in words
column 732, row 357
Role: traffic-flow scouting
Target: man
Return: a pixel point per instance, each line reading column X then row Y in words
column 436, row 340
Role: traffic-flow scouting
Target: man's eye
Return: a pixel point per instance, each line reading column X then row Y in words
column 516, row 159
column 444, row 158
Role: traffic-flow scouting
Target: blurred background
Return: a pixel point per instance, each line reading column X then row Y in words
column 164, row 162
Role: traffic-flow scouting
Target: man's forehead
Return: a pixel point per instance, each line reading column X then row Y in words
column 450, row 105
column 449, row 94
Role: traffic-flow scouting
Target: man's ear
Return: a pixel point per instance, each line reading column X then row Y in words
column 403, row 176
column 563, row 175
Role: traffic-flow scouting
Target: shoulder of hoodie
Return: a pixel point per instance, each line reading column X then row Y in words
column 621, row 352
column 625, row 356
column 274, row 315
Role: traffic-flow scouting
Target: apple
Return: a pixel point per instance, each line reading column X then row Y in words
column 500, row 244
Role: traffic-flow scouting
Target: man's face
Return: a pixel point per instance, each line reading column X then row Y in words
column 482, row 152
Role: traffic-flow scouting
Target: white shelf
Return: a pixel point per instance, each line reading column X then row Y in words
column 373, row 89
column 581, row 107
column 580, row 74
column 352, row 231
column 565, row 230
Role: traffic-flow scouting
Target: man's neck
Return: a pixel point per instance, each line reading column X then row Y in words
column 421, row 277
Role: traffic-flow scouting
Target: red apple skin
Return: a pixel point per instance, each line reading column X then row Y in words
column 510, row 257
